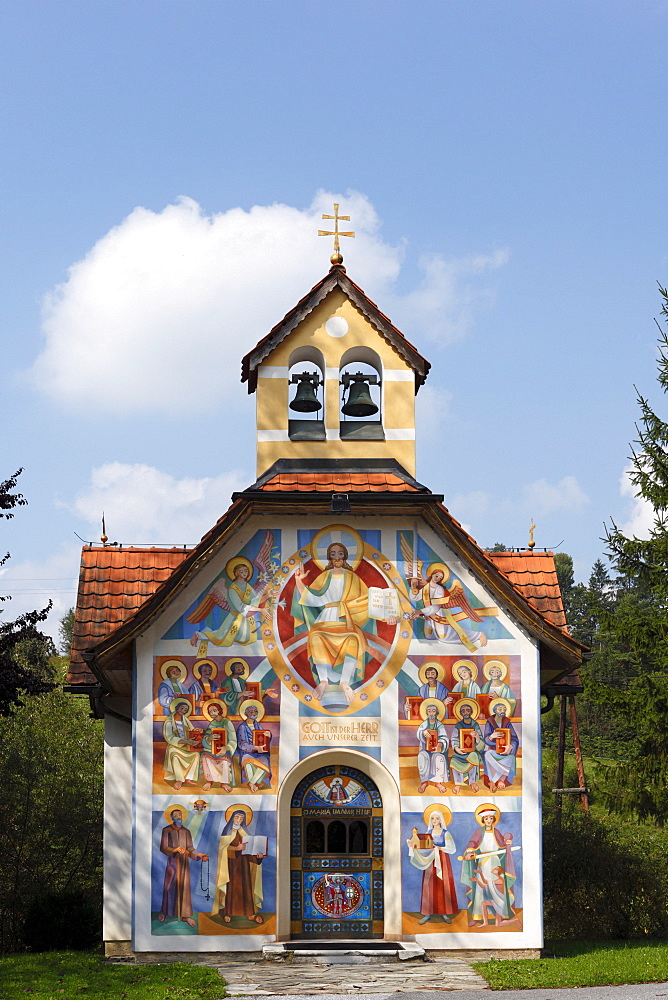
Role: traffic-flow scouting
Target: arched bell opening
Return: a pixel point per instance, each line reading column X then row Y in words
column 360, row 382
column 306, row 405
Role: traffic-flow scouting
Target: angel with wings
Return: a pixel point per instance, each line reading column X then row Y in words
column 241, row 603
column 442, row 607
column 336, row 792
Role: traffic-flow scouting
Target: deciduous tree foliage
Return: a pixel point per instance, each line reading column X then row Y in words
column 50, row 813
column 19, row 673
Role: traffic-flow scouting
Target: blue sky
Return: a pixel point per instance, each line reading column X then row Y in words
column 164, row 167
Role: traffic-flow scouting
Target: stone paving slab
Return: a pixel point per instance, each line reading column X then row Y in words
column 268, row 979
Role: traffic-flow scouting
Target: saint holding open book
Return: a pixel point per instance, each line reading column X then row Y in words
column 335, row 608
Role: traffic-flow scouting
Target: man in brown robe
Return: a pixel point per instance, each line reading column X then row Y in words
column 177, row 843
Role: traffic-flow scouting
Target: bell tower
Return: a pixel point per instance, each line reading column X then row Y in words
column 335, row 379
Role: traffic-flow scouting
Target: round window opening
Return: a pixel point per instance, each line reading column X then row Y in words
column 336, row 326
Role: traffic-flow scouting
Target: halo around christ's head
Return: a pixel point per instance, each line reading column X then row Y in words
column 341, row 534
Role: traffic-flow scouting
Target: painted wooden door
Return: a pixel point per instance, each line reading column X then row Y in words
column 336, row 855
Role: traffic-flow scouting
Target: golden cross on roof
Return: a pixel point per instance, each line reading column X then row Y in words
column 336, row 257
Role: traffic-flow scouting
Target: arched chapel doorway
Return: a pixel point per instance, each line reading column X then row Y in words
column 336, row 855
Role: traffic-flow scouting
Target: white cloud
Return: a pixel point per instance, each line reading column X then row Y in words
column 640, row 518
column 474, row 505
column 444, row 305
column 543, row 498
column 161, row 309
column 432, row 406
column 144, row 506
column 32, row 583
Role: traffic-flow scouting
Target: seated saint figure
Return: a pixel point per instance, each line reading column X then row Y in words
column 204, row 684
column 172, row 685
column 181, row 761
column 433, row 741
column 233, row 689
column 218, row 745
column 468, row 745
column 502, row 743
column 255, row 763
column 495, row 685
column 433, row 688
column 466, row 685
column 335, row 610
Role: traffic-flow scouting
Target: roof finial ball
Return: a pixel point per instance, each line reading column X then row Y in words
column 337, row 256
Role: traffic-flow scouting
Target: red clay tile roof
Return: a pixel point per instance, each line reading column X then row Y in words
column 336, row 277
column 113, row 583
column 118, row 589
column 534, row 575
column 342, row 482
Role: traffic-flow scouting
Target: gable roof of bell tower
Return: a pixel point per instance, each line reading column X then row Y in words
column 336, row 278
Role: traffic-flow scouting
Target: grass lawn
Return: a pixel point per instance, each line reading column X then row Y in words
column 71, row 975
column 575, row 963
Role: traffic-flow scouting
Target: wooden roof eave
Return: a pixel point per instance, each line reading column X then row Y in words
column 107, row 658
column 568, row 649
column 337, row 277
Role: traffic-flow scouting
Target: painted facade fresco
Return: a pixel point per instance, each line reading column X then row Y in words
column 346, row 635
column 460, row 725
column 214, row 869
column 462, row 871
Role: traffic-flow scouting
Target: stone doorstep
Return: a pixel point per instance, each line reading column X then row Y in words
column 121, row 952
column 353, row 955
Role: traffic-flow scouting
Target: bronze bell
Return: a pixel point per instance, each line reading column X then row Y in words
column 359, row 402
column 305, row 400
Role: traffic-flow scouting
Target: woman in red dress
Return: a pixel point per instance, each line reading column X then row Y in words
column 439, row 895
